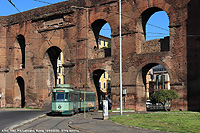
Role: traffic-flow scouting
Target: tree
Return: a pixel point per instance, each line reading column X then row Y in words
column 162, row 96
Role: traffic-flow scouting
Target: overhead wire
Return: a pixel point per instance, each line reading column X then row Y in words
column 109, row 16
column 43, row 2
column 26, row 19
column 100, row 28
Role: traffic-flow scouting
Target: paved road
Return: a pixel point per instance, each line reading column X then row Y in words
column 52, row 124
column 9, row 117
column 92, row 123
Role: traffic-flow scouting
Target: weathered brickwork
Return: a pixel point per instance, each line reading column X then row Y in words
column 31, row 42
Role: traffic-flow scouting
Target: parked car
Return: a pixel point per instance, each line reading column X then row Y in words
column 148, row 104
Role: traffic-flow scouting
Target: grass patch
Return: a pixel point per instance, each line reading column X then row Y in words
column 171, row 121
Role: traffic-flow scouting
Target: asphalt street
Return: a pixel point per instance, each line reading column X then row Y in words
column 12, row 117
column 92, row 122
column 52, row 124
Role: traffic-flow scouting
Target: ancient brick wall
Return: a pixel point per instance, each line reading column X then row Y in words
column 73, row 26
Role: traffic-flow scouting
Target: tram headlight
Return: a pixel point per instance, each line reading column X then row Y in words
column 59, row 106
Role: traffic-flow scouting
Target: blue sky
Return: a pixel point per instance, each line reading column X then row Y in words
column 156, row 28
column 23, row 5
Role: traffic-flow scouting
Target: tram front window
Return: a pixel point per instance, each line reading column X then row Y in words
column 54, row 96
column 60, row 97
column 66, row 96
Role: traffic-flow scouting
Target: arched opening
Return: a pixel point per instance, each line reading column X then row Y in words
column 157, row 28
column 21, row 96
column 96, row 27
column 60, row 69
column 96, row 77
column 102, row 34
column 51, row 60
column 105, row 88
column 152, row 78
column 152, row 31
column 21, row 41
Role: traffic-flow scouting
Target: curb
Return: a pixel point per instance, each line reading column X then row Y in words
column 78, row 128
column 25, row 122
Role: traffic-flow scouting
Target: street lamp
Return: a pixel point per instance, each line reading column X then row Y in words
column 120, row 48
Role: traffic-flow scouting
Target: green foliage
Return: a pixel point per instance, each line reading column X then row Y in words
column 181, row 122
column 109, row 44
column 162, row 96
column 172, row 95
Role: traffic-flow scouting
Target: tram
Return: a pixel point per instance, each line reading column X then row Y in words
column 67, row 101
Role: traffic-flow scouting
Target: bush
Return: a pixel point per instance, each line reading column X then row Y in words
column 162, row 96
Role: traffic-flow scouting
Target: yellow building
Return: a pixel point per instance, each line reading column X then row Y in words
column 104, row 84
column 157, row 78
column 148, row 79
column 104, row 42
column 60, row 69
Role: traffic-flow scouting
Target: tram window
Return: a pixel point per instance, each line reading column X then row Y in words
column 66, row 96
column 82, row 97
column 87, row 97
column 54, row 96
column 60, row 97
column 76, row 97
column 71, row 97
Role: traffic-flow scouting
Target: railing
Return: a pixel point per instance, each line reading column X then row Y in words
column 157, row 107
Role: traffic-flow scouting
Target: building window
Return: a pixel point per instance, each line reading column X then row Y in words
column 59, row 69
column 104, row 85
column 157, row 81
column 59, row 81
column 163, row 81
column 104, row 43
column 104, row 75
column 99, row 42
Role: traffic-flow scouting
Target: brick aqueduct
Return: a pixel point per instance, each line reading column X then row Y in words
column 31, row 42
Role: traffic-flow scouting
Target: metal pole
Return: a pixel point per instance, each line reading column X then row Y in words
column 120, row 47
column 86, row 64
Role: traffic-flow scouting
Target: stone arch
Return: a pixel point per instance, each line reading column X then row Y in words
column 20, row 45
column 96, row 76
column 173, row 77
column 141, row 82
column 95, row 72
column 142, row 17
column 50, row 61
column 94, row 35
column 96, row 27
column 157, row 45
column 58, row 42
column 19, row 92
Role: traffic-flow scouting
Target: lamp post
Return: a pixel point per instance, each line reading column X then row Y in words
column 120, row 49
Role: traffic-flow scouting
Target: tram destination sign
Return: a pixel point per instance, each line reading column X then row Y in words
column 60, row 91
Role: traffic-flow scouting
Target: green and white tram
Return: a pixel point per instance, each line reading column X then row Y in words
column 66, row 101
column 89, row 103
